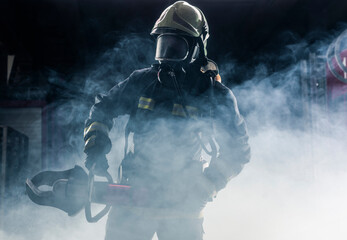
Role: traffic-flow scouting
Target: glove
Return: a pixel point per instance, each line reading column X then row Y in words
column 97, row 163
column 207, row 189
column 203, row 192
column 97, row 145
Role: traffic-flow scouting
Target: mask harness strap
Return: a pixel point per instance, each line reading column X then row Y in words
column 182, row 101
column 202, row 58
column 126, row 143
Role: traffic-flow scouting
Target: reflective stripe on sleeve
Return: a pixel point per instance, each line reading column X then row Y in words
column 96, row 126
column 146, row 103
column 89, row 142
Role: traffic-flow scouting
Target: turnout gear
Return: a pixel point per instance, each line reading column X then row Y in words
column 162, row 129
column 178, row 109
column 166, row 152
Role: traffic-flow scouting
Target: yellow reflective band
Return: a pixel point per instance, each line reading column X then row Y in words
column 96, row 126
column 89, row 142
column 146, row 103
column 179, row 111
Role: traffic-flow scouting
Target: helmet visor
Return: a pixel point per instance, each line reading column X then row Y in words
column 171, row 47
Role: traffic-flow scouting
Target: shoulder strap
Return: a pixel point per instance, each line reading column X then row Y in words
column 126, row 137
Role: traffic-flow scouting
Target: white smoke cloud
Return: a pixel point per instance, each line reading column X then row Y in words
column 294, row 186
column 288, row 191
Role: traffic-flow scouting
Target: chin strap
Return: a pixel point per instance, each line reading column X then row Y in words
column 202, row 59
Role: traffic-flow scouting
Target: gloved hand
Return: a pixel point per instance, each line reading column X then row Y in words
column 203, row 191
column 97, row 163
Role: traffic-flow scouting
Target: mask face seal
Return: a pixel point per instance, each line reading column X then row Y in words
column 171, row 47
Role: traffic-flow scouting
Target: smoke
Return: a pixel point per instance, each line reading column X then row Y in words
column 293, row 188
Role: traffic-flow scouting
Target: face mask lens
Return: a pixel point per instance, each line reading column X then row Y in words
column 171, row 48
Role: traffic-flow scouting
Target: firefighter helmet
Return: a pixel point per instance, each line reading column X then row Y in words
column 178, row 21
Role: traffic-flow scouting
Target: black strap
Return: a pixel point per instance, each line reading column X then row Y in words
column 182, row 100
column 127, row 133
column 128, row 129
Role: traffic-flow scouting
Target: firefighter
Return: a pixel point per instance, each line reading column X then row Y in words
column 178, row 109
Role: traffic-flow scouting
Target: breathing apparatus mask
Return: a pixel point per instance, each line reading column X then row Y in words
column 175, row 53
column 173, row 47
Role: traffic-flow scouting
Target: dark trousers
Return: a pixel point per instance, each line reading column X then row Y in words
column 128, row 224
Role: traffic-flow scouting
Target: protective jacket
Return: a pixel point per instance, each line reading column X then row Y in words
column 169, row 131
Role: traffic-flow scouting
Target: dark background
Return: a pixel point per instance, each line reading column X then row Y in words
column 66, row 36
